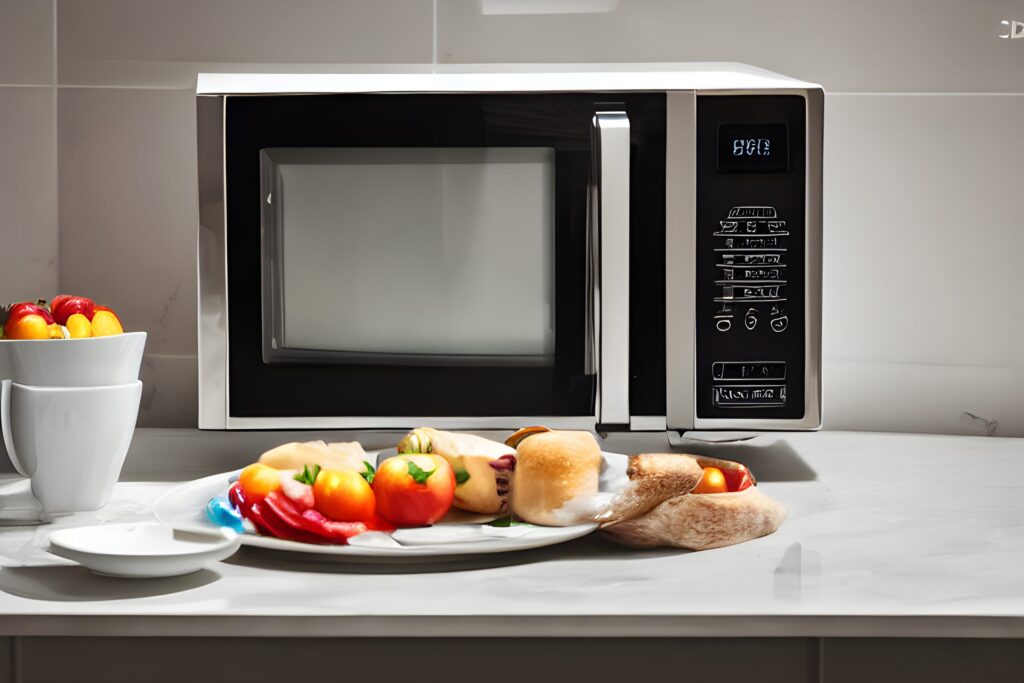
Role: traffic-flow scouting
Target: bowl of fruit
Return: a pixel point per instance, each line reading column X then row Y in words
column 69, row 341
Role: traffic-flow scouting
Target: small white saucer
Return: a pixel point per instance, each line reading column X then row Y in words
column 142, row 549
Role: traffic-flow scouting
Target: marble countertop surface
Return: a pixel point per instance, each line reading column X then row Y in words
column 888, row 535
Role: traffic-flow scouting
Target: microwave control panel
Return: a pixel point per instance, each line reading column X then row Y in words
column 750, row 256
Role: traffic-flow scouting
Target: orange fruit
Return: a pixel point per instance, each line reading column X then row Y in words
column 344, row 496
column 257, row 480
column 104, row 324
column 79, row 326
column 711, row 481
column 30, row 326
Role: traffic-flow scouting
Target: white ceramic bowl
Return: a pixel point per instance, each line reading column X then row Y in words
column 142, row 549
column 90, row 362
column 70, row 441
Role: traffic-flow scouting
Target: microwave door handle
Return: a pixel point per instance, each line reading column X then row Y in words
column 610, row 244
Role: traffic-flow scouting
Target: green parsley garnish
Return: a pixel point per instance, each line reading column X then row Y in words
column 308, row 475
column 506, row 522
column 368, row 473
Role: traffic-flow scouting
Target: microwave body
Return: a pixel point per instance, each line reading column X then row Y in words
column 621, row 250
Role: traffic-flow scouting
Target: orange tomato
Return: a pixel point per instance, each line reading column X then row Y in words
column 344, row 496
column 711, row 481
column 257, row 480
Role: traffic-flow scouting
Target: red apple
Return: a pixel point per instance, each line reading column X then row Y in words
column 414, row 490
column 27, row 321
column 63, row 306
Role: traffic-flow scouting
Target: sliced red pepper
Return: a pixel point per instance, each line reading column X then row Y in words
column 268, row 522
column 737, row 478
column 337, row 532
column 265, row 520
column 311, row 521
column 237, row 496
column 279, row 516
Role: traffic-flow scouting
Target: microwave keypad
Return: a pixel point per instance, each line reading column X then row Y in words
column 750, row 262
column 751, row 285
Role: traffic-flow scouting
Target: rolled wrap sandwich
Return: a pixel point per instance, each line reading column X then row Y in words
column 342, row 455
column 482, row 467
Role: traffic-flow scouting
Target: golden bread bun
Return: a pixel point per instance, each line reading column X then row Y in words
column 553, row 467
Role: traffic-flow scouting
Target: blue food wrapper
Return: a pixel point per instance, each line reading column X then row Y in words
column 221, row 512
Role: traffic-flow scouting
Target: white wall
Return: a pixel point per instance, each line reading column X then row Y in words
column 923, row 157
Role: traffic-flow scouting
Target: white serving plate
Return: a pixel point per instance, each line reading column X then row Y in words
column 143, row 549
column 183, row 508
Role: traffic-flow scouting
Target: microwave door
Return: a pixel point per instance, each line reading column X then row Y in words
column 608, row 275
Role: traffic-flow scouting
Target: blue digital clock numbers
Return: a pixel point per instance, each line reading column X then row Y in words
column 753, row 148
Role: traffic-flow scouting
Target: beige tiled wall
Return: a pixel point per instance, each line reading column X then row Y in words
column 922, row 169
column 28, row 155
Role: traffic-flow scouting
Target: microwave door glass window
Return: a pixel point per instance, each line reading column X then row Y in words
column 418, row 255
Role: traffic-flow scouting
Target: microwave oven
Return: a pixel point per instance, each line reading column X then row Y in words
column 614, row 248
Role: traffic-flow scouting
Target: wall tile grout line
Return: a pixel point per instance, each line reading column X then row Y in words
column 56, row 149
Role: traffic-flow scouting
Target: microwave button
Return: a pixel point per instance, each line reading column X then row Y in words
column 750, row 319
column 780, row 324
column 742, row 371
column 748, row 395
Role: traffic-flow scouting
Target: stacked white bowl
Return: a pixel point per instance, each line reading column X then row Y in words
column 67, row 411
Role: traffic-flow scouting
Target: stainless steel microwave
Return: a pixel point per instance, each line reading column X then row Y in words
column 623, row 247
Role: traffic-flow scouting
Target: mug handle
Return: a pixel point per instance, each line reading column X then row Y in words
column 5, row 425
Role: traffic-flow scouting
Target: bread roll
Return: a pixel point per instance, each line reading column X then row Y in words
column 702, row 521
column 653, row 479
column 552, row 467
column 471, row 456
column 340, row 455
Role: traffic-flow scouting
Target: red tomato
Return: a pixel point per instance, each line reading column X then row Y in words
column 711, row 481
column 414, row 490
column 344, row 496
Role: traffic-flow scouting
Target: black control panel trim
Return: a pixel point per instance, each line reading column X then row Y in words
column 750, row 264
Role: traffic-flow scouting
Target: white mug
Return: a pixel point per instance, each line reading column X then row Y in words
column 69, row 441
column 87, row 362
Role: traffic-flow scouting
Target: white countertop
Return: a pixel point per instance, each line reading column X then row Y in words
column 888, row 535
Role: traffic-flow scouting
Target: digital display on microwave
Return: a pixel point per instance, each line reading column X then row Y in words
column 753, row 148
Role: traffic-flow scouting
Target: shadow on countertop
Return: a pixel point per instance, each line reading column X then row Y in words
column 72, row 583
column 589, row 547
